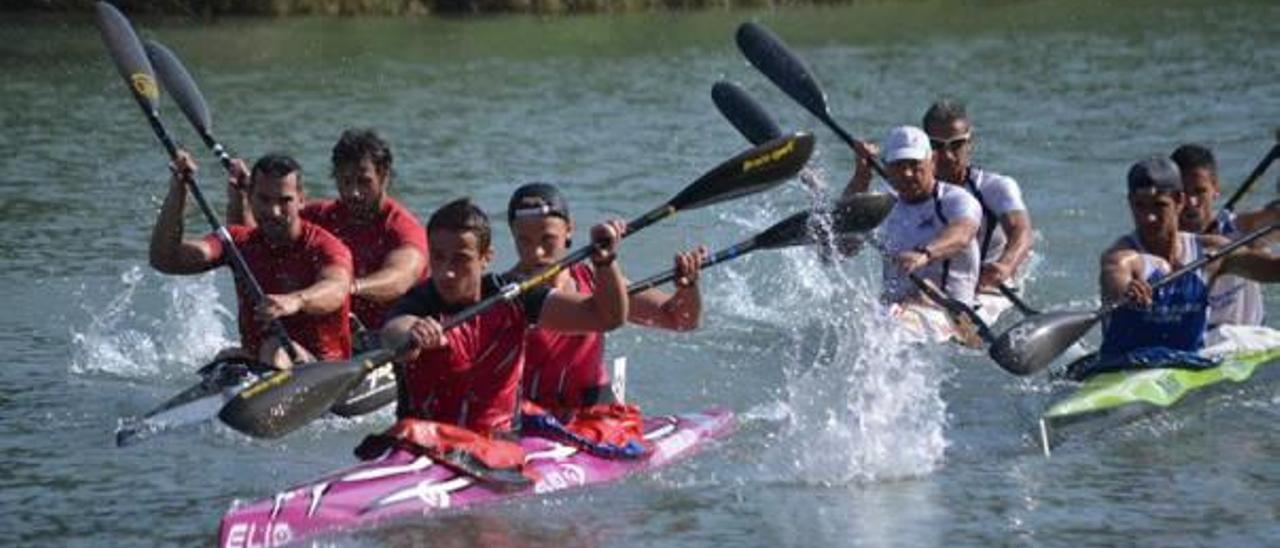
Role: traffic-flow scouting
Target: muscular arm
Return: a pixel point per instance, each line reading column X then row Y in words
column 953, row 239
column 1253, row 220
column 238, row 212
column 328, row 293
column 1018, row 232
column 1252, row 263
column 1116, row 271
column 604, row 310
column 680, row 311
column 399, row 272
column 169, row 252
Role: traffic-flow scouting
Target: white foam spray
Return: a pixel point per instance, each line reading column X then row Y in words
column 130, row 336
column 860, row 402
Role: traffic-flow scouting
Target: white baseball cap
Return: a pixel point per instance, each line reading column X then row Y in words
column 906, row 143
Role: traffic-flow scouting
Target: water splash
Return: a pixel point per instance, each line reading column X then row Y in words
column 861, row 402
column 125, row 338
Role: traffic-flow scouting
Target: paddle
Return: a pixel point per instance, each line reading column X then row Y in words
column 764, row 50
column 858, row 213
column 1253, row 177
column 1032, row 344
column 127, row 53
column 289, row 399
column 754, row 123
column 179, row 83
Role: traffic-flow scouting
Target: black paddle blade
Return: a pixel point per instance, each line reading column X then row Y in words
column 1032, row 344
column 856, row 213
column 375, row 391
column 285, row 401
column 861, row 212
column 744, row 113
column 127, row 52
column 763, row 167
column 180, row 85
column 773, row 59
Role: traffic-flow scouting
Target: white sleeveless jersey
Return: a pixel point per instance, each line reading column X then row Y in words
column 1000, row 195
column 911, row 225
column 1232, row 299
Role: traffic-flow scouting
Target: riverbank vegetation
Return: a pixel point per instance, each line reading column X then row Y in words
column 391, row 7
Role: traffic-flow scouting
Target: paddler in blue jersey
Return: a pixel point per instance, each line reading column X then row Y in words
column 1233, row 300
column 1173, row 318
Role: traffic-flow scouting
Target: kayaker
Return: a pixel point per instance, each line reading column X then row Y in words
column 1232, row 300
column 387, row 242
column 565, row 371
column 1175, row 316
column 1005, row 235
column 930, row 230
column 304, row 270
column 470, row 376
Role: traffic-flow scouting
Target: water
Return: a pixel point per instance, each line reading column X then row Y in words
column 848, row 437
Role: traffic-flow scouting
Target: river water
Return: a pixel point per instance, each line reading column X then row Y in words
column 848, row 436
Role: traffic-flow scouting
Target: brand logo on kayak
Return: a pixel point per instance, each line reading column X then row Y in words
column 248, row 535
column 768, row 157
column 562, row 477
column 144, row 85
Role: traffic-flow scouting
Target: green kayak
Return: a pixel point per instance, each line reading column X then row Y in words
column 1109, row 399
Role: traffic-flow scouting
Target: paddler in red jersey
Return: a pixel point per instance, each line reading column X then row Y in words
column 387, row 242
column 304, row 270
column 565, row 374
column 470, row 376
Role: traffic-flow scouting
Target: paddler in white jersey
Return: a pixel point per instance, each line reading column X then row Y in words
column 1173, row 317
column 1005, row 235
column 930, row 230
column 1232, row 299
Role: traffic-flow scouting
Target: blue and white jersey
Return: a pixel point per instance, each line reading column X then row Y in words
column 1232, row 299
column 1178, row 314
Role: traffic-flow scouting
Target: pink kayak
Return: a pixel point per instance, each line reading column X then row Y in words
column 403, row 485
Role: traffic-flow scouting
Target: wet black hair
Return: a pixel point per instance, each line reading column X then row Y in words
column 943, row 112
column 1194, row 156
column 276, row 166
column 357, row 144
column 462, row 215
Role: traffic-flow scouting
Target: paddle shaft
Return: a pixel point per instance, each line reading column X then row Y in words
column 1196, row 265
column 732, row 252
column 513, row 290
column 1253, row 177
column 237, row 261
column 945, row 301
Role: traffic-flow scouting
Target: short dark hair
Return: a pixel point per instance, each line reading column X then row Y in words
column 944, row 112
column 277, row 166
column 359, row 143
column 1194, row 156
column 462, row 215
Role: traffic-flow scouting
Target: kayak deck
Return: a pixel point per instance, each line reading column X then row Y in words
column 1113, row 398
column 402, row 485
column 931, row 324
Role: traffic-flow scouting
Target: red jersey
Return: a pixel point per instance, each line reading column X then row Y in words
column 370, row 243
column 566, row 370
column 474, row 381
column 293, row 267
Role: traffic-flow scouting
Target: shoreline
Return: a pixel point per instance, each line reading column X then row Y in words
column 399, row 8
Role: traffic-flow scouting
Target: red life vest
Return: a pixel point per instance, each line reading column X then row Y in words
column 472, row 382
column 561, row 369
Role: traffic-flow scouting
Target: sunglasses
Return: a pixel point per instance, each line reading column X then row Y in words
column 953, row 144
